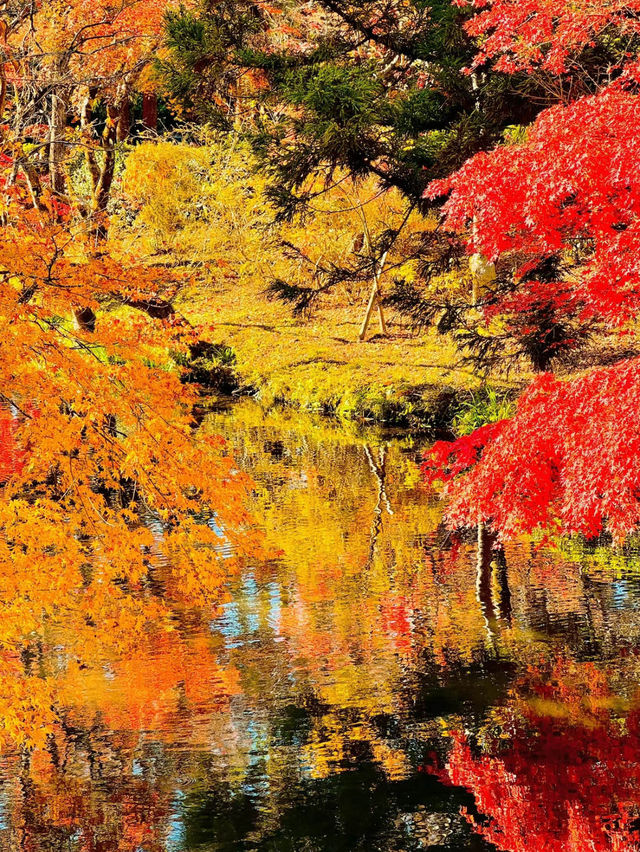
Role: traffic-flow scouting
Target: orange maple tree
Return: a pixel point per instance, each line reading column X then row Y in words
column 115, row 516
column 113, row 512
column 58, row 63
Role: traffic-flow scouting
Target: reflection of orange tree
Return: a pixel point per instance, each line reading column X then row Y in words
column 95, row 769
column 105, row 775
column 559, row 767
column 110, row 803
column 102, row 434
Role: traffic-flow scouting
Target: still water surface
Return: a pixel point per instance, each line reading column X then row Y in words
column 371, row 684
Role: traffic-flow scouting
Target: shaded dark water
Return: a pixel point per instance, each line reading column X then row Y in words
column 384, row 687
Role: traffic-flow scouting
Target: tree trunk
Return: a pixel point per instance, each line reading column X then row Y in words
column 375, row 298
column 109, row 137
column 102, row 189
column 124, row 120
column 57, row 127
column 150, row 111
column 89, row 137
column 483, row 272
column 33, row 182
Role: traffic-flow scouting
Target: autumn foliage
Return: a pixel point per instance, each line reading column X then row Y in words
column 548, row 34
column 116, row 518
column 567, row 198
column 573, row 179
column 568, row 459
column 105, row 484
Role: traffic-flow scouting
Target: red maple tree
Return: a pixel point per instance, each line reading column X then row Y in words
column 569, row 195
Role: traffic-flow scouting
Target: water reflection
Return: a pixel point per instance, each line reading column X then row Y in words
column 373, row 685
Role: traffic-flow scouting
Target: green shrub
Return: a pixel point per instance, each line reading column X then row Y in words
column 487, row 405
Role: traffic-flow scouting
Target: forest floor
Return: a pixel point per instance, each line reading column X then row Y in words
column 220, row 229
column 318, row 363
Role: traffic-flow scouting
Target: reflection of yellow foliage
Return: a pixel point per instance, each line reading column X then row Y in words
column 329, row 742
column 360, row 591
column 367, row 600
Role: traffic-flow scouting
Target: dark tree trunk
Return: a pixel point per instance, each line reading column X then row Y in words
column 150, row 111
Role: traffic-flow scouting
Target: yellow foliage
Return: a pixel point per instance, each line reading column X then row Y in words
column 202, row 203
column 205, row 205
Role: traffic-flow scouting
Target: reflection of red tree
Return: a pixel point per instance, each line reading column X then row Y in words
column 397, row 621
column 567, row 781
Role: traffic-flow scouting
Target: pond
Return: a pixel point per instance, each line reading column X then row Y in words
column 370, row 684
